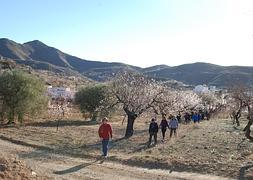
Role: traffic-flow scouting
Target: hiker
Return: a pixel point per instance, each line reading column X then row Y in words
column 202, row 115
column 179, row 117
column 199, row 117
column 173, row 125
column 153, row 130
column 195, row 117
column 105, row 133
column 208, row 115
column 163, row 126
column 187, row 118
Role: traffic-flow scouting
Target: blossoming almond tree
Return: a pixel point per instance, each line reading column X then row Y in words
column 248, row 102
column 172, row 101
column 236, row 103
column 136, row 94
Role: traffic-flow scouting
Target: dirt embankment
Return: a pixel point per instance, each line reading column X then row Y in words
column 12, row 168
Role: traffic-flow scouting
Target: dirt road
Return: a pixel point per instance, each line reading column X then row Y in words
column 54, row 166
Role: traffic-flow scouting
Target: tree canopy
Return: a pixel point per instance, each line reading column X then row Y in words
column 94, row 100
column 21, row 94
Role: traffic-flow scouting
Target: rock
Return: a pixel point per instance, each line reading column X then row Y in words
column 16, row 161
column 213, row 151
column 227, row 148
column 1, row 175
column 205, row 147
column 34, row 173
column 3, row 167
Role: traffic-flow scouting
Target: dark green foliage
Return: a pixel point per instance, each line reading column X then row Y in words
column 93, row 100
column 21, row 94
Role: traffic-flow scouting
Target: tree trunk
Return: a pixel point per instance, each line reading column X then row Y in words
column 11, row 117
column 250, row 122
column 247, row 130
column 58, row 123
column 94, row 117
column 237, row 121
column 130, row 125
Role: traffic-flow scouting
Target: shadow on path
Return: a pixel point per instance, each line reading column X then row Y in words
column 77, row 168
column 242, row 171
column 62, row 123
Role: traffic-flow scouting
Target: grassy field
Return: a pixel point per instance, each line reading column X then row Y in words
column 211, row 147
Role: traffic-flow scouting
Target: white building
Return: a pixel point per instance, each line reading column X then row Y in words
column 60, row 92
column 199, row 89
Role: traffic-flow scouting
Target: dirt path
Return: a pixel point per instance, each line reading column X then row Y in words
column 55, row 166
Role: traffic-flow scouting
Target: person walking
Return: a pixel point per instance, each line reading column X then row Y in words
column 187, row 117
column 153, row 130
column 163, row 125
column 195, row 117
column 199, row 117
column 179, row 117
column 105, row 133
column 173, row 125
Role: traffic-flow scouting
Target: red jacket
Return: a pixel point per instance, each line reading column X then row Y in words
column 105, row 131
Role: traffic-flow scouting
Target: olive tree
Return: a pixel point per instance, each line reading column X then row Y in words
column 21, row 94
column 94, row 100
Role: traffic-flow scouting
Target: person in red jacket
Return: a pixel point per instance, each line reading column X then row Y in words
column 105, row 133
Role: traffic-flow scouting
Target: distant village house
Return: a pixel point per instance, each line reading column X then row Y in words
column 60, row 92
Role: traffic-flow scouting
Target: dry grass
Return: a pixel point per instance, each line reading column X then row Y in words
column 214, row 146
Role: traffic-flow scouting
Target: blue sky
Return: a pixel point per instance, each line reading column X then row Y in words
column 138, row 32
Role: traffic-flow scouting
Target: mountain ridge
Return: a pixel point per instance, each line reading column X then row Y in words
column 41, row 56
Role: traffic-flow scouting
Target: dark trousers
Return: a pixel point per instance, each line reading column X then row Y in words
column 173, row 130
column 105, row 143
column 163, row 132
column 150, row 138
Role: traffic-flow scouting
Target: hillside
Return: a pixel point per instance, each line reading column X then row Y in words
column 205, row 73
column 41, row 56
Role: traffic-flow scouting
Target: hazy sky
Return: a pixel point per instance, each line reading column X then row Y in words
column 137, row 32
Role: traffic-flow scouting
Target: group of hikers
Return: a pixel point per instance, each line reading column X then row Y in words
column 172, row 123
